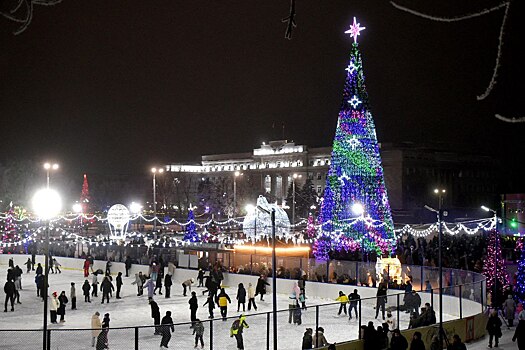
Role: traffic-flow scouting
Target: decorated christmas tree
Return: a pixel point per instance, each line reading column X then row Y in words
column 190, row 233
column 311, row 231
column 85, row 199
column 9, row 226
column 355, row 178
column 494, row 269
column 520, row 282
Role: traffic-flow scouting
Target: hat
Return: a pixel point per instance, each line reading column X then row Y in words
column 54, row 294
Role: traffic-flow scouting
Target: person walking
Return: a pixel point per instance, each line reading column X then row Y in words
column 343, row 299
column 62, row 299
column 167, row 285
column 236, row 330
column 9, row 290
column 211, row 306
column 519, row 333
column 260, row 289
column 57, row 265
column 28, row 265
column 241, row 297
column 166, row 329
column 381, row 296
column 223, row 300
column 354, row 299
column 96, row 327
column 94, row 284
column 494, row 328
column 106, row 287
column 198, row 331
column 85, row 289
column 307, row 339
column 194, row 305
column 509, row 306
column 417, row 343
column 118, row 280
column 73, row 296
column 187, row 284
column 53, row 307
column 155, row 314
column 251, row 297
column 102, row 339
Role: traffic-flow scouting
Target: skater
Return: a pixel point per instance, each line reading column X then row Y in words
column 85, row 289
column 223, row 299
column 28, row 264
column 127, row 265
column 494, row 328
column 57, row 265
column 158, row 284
column 9, row 289
column 319, row 339
column 108, row 267
column 102, row 339
column 18, row 277
column 211, row 306
column 150, row 285
column 53, row 307
column 96, row 327
column 119, row 284
column 94, row 284
column 51, row 262
column 236, row 330
column 17, row 291
column 251, row 297
column 155, row 314
column 354, row 299
column 139, row 282
column 302, row 287
column 33, row 260
column 307, row 339
column 106, row 287
column 39, row 281
column 91, row 263
column 200, row 278
column 62, row 299
column 241, row 298
column 509, row 306
column 198, row 331
column 194, row 305
column 73, row 295
column 166, row 329
column 167, row 285
column 86, row 268
column 261, row 287
column 154, row 271
column 187, row 284
column 343, row 299
column 297, row 314
column 381, row 296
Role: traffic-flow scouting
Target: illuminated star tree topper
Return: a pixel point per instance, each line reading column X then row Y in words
column 354, row 30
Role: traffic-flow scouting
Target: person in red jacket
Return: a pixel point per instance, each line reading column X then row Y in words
column 86, row 268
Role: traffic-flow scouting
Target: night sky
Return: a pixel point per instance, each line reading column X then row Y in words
column 118, row 86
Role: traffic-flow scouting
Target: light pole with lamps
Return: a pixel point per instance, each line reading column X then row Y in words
column 235, row 176
column 48, row 167
column 46, row 204
column 154, row 171
column 294, row 176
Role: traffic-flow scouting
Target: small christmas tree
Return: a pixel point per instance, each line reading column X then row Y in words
column 9, row 226
column 494, row 269
column 190, row 233
column 520, row 282
column 311, row 232
column 85, row 198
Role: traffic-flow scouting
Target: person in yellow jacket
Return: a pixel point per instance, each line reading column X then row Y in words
column 223, row 300
column 236, row 330
column 96, row 327
column 343, row 299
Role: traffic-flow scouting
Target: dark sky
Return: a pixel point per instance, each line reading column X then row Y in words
column 118, row 86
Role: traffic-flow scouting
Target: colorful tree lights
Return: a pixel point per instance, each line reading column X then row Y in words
column 494, row 269
column 190, row 234
column 520, row 282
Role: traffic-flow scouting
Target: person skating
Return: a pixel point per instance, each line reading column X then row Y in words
column 62, row 299
column 53, row 307
column 33, row 260
column 57, row 265
column 39, row 281
column 73, row 296
column 519, row 333
column 241, row 297
column 118, row 280
column 86, row 269
column 223, row 300
column 94, row 284
column 139, row 282
column 150, row 286
column 166, row 329
column 127, row 265
column 307, row 339
column 417, row 343
column 167, row 285
column 106, row 287
column 494, row 328
column 158, row 284
column 108, row 267
column 343, row 299
column 28, row 265
column 509, row 307
column 9, row 290
column 187, row 284
column 251, row 297
column 17, row 290
column 155, row 314
column 260, row 289
column 51, row 263
column 319, row 339
column 211, row 306
column 200, row 278
column 381, row 296
column 194, row 305
column 198, row 331
column 96, row 327
column 237, row 328
column 85, row 289
column 103, row 339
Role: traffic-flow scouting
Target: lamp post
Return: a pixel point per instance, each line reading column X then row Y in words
column 154, row 171
column 48, row 167
column 495, row 295
column 294, row 176
column 46, row 204
column 235, row 176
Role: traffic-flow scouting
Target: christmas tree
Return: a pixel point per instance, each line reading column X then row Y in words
column 85, row 199
column 9, row 226
column 191, row 234
column 355, row 178
column 494, row 269
column 310, row 228
column 520, row 283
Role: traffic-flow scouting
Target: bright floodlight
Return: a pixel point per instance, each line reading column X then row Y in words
column 237, row 173
column 47, row 166
column 55, row 166
column 357, row 209
column 135, row 208
column 485, row 208
column 47, row 203
column 77, row 208
column 249, row 208
column 295, row 176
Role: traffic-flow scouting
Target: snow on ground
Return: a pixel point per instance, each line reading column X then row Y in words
column 131, row 311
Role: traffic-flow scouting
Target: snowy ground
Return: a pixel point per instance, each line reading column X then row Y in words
column 131, row 311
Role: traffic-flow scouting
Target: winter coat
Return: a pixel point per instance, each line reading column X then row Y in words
column 39, row 270
column 343, row 299
column 494, row 326
column 261, row 286
column 198, row 329
column 210, row 303
column 155, row 311
column 353, row 298
column 307, row 341
column 151, row 287
column 53, row 305
column 168, row 322
column 96, row 326
column 519, row 335
column 321, row 340
column 86, row 287
column 296, row 291
column 398, row 343
column 73, row 292
column 188, row 283
column 138, row 280
column 9, row 288
column 62, row 299
column 510, row 308
column 251, row 292
column 223, row 299
column 242, row 325
column 119, row 280
column 194, row 304
column 417, row 344
column 241, row 295
column 167, row 281
column 95, row 280
column 106, row 286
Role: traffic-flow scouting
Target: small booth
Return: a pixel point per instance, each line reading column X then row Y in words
column 390, row 267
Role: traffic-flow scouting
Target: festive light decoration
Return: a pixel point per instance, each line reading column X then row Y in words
column 9, row 226
column 85, row 198
column 355, row 175
column 311, row 231
column 191, row 234
column 494, row 269
column 520, row 282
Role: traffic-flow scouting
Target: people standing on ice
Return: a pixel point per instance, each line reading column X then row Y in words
column 158, row 284
column 171, row 268
column 223, row 300
column 57, row 265
column 154, row 271
column 241, row 297
column 509, row 308
column 307, row 339
column 211, row 306
column 94, row 284
column 200, row 278
column 119, row 284
column 261, row 287
column 127, row 265
column 53, row 307
column 150, row 285
column 39, row 281
column 106, row 287
column 167, row 285
column 194, row 305
column 108, row 267
column 17, row 292
column 198, row 331
column 39, row 269
column 381, row 296
column 102, row 339
column 33, row 260
column 186, row 284
column 319, row 340
column 11, row 263
column 96, row 327
column 354, row 299
column 85, row 289
column 91, row 262
column 343, row 300
column 251, row 297
column 62, row 300
column 86, row 268
column 166, row 329
column 9, row 290
column 302, row 287
column 236, row 330
column 139, row 282
column 28, row 265
column 155, row 314
column 73, row 296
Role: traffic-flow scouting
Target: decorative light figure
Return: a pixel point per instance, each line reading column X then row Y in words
column 354, row 30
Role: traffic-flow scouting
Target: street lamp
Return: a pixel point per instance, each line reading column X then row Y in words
column 294, row 176
column 154, row 171
column 235, row 176
column 49, row 166
column 46, row 204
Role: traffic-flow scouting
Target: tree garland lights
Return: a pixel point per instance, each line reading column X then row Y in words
column 520, row 282
column 494, row 268
column 191, row 234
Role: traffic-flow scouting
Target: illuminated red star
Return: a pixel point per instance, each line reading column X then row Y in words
column 354, row 30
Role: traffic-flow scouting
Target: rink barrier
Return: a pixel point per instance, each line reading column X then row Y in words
column 455, row 304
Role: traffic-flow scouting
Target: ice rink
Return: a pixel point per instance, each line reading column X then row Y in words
column 131, row 311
